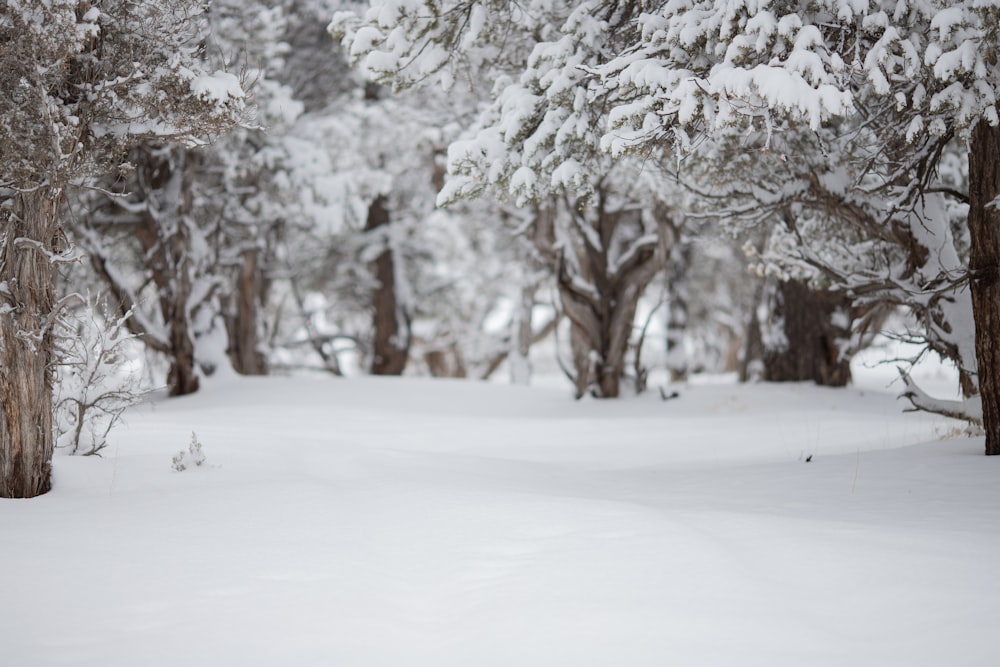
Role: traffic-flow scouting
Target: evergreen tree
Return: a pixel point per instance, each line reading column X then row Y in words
column 82, row 82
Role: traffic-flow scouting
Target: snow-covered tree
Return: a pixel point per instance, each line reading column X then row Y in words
column 604, row 225
column 710, row 298
column 366, row 267
column 160, row 260
column 247, row 198
column 376, row 264
column 183, row 239
column 908, row 78
column 82, row 81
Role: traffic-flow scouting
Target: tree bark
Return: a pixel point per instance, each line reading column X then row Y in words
column 446, row 362
column 677, row 310
column 391, row 347
column 182, row 378
column 597, row 340
column 601, row 323
column 27, row 346
column 984, row 265
column 165, row 178
column 804, row 346
column 243, row 323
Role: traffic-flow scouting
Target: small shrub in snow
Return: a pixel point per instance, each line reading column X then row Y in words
column 93, row 383
column 194, row 456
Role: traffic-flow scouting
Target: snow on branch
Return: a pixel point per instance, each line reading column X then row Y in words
column 969, row 409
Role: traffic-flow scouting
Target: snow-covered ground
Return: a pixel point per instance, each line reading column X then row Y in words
column 418, row 523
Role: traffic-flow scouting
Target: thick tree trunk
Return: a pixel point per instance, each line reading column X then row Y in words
column 600, row 296
column 391, row 347
column 601, row 324
column 984, row 264
column 182, row 378
column 27, row 299
column 802, row 344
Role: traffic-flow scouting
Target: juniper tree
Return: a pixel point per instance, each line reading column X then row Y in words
column 893, row 89
column 604, row 226
column 81, row 81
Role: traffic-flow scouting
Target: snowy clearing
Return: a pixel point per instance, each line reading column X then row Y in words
column 404, row 522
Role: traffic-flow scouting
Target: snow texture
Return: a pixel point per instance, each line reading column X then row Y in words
column 385, row 522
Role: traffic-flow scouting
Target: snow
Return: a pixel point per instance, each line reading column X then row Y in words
column 375, row 521
column 220, row 88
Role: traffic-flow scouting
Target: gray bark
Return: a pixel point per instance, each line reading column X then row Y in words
column 601, row 318
column 27, row 345
column 165, row 177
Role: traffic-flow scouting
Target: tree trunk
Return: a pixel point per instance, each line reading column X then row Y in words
column 984, row 265
column 27, row 345
column 751, row 363
column 601, row 324
column 243, row 323
column 600, row 295
column 165, row 177
column 677, row 310
column 519, row 359
column 446, row 362
column 182, row 378
column 803, row 342
column 391, row 347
